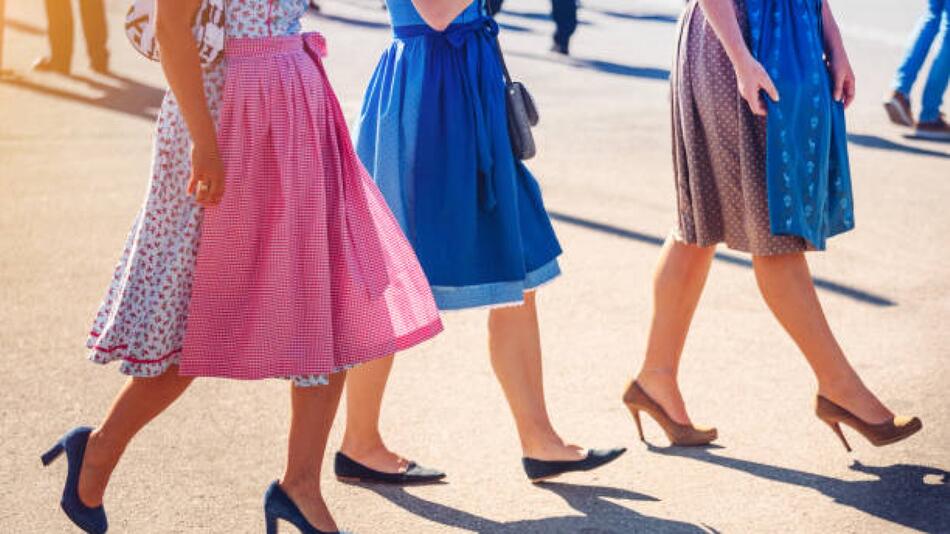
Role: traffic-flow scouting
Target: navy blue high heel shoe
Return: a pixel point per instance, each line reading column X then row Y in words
column 90, row 520
column 279, row 505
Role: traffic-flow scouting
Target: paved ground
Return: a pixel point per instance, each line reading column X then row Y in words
column 73, row 164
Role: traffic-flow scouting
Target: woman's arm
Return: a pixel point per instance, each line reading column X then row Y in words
column 440, row 13
column 750, row 75
column 841, row 71
column 179, row 52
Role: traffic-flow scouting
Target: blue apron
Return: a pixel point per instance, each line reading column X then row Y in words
column 808, row 177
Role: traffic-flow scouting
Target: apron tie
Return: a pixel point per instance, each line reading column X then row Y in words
column 364, row 246
column 456, row 36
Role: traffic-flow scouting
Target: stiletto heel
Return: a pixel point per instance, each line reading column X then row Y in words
column 279, row 505
column 636, row 417
column 51, row 455
column 879, row 434
column 90, row 519
column 682, row 435
column 837, row 428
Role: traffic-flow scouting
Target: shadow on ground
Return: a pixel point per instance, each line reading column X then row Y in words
column 914, row 496
column 25, row 27
column 599, row 65
column 130, row 96
column 873, row 141
column 597, row 514
column 543, row 16
column 663, row 18
column 853, row 293
column 360, row 23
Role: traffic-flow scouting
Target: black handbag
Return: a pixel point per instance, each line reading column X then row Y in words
column 522, row 113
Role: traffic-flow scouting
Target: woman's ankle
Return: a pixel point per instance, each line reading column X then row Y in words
column 657, row 375
column 103, row 449
column 361, row 445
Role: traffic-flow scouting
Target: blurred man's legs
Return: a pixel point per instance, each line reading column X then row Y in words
column 59, row 15
column 898, row 106
column 93, row 13
column 59, row 28
column 564, row 13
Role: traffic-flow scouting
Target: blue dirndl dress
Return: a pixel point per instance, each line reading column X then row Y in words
column 807, row 171
column 433, row 134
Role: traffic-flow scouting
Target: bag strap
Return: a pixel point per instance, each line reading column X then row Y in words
column 483, row 11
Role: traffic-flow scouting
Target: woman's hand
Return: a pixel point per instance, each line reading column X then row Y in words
column 752, row 80
column 180, row 61
column 207, row 174
column 842, row 75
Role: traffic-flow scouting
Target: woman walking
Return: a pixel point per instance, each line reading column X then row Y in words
column 773, row 187
column 285, row 263
column 433, row 134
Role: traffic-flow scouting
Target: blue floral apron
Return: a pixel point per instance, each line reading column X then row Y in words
column 808, row 177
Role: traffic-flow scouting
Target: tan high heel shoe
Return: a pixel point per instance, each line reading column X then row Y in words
column 681, row 435
column 879, row 434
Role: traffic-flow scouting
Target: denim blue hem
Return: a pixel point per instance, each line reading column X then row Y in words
column 494, row 293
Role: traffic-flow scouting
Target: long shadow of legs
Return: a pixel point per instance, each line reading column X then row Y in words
column 131, row 97
column 873, row 141
column 900, row 494
column 598, row 515
column 847, row 291
column 542, row 16
column 599, row 65
column 663, row 18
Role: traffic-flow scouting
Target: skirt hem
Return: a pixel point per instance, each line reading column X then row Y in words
column 160, row 366
column 495, row 294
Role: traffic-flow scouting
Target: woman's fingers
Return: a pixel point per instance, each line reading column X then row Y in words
column 756, row 104
column 840, row 80
column 217, row 189
column 769, row 87
column 849, row 91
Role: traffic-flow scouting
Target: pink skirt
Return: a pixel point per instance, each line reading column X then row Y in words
column 301, row 269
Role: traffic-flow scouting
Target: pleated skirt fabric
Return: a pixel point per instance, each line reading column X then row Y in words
column 302, row 268
column 719, row 148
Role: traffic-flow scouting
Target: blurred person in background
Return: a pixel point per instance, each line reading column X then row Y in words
column 59, row 16
column 931, row 123
column 564, row 13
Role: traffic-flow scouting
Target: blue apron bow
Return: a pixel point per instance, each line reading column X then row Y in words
column 456, row 36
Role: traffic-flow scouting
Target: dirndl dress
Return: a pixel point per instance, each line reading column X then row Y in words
column 739, row 179
column 433, row 134
column 301, row 270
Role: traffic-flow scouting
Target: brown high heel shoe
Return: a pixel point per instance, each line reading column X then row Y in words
column 681, row 435
column 879, row 434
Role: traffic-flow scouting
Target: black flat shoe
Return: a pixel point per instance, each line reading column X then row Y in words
column 541, row 470
column 349, row 470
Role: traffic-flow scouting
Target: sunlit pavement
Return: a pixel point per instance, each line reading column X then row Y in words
column 74, row 160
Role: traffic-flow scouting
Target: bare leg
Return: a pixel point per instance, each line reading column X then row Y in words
column 515, row 345
column 677, row 286
column 313, row 410
column 364, row 398
column 140, row 401
column 787, row 287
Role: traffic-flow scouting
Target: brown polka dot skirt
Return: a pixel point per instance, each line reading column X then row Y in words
column 718, row 148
